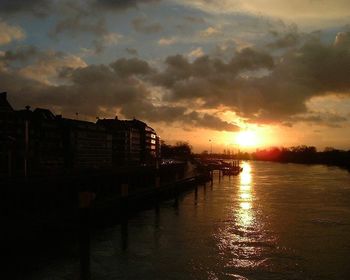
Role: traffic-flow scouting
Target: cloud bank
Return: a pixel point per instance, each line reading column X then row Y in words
column 269, row 82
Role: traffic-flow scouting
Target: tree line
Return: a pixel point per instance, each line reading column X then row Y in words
column 295, row 154
column 181, row 150
column 304, row 154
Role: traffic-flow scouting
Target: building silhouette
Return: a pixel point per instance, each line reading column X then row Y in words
column 134, row 142
column 39, row 143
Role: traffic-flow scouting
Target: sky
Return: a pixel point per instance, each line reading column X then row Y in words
column 228, row 74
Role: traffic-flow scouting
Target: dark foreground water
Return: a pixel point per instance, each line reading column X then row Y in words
column 273, row 221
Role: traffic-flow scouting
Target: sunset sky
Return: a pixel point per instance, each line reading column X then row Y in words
column 200, row 71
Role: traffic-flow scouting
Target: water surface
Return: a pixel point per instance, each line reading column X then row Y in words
column 273, row 221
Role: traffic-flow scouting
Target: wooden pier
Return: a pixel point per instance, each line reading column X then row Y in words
column 224, row 168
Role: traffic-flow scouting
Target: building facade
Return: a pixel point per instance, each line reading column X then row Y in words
column 37, row 142
column 134, row 142
column 31, row 141
column 86, row 146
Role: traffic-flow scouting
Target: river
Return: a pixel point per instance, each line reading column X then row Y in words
column 273, row 221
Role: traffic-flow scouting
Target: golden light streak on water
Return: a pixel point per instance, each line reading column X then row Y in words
column 245, row 176
column 244, row 215
column 245, row 196
column 246, row 205
column 244, row 187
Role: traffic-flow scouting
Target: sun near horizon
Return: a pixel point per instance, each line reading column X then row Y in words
column 246, row 138
column 249, row 138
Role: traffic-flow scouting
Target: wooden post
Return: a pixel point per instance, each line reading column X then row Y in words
column 196, row 194
column 124, row 232
column 156, row 207
column 26, row 148
column 124, row 215
column 176, row 199
column 85, row 200
column 157, row 183
column 124, row 190
column 26, row 141
column 157, row 214
column 9, row 163
column 157, row 174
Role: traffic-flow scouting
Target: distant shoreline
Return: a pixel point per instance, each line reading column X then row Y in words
column 347, row 167
column 298, row 154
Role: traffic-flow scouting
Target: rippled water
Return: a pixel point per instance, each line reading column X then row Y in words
column 273, row 221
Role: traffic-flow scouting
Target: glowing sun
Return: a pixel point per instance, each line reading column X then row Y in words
column 246, row 138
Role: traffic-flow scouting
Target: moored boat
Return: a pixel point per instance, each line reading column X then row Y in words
column 231, row 171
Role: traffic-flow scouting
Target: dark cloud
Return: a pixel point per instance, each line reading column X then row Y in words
column 291, row 38
column 74, row 24
column 39, row 65
column 143, row 25
column 76, row 18
column 189, row 24
column 46, row 7
column 21, row 89
column 79, row 20
column 180, row 114
column 313, row 69
column 288, row 37
column 132, row 51
column 250, row 59
column 321, row 68
column 194, row 19
column 88, row 89
column 89, row 17
column 146, row 110
column 121, row 4
column 277, row 95
column 208, row 77
column 285, row 41
column 324, row 118
column 342, row 40
column 35, row 7
column 21, row 54
column 93, row 89
column 224, row 50
column 134, row 66
column 212, row 122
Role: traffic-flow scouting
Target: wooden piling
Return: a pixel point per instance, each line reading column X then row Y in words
column 85, row 200
column 124, row 190
column 124, row 233
column 157, row 182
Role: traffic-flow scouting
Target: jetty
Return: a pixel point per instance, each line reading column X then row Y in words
column 224, row 168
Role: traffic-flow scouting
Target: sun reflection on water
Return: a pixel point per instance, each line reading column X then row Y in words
column 242, row 239
column 245, row 196
column 244, row 215
column 245, row 176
